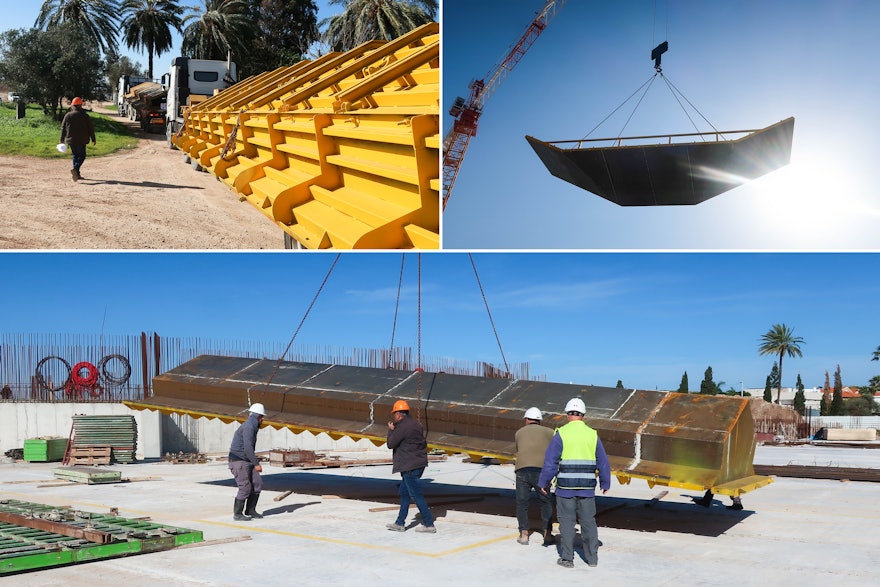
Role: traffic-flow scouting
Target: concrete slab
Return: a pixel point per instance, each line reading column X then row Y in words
column 815, row 532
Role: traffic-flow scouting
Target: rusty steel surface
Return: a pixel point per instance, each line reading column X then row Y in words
column 668, row 174
column 682, row 440
column 71, row 530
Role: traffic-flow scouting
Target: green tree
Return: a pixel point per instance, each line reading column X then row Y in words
column 869, row 391
column 707, row 386
column 876, row 356
column 97, row 19
column 120, row 66
column 780, row 340
column 774, row 375
column 286, row 29
column 147, row 24
column 837, row 397
column 217, row 28
column 800, row 401
column 47, row 66
column 768, row 395
column 619, row 384
column 367, row 20
column 825, row 404
column 683, row 386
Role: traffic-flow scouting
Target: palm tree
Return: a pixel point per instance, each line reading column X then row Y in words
column 215, row 29
column 147, row 24
column 780, row 340
column 366, row 20
column 876, row 356
column 96, row 18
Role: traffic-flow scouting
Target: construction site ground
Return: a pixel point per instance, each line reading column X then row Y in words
column 331, row 529
column 144, row 198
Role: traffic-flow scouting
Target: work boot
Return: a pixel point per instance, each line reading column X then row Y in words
column 251, row 510
column 74, row 174
column 523, row 537
column 238, row 516
column 548, row 538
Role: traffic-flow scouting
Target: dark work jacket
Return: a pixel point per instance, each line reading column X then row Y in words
column 77, row 127
column 407, row 440
column 244, row 441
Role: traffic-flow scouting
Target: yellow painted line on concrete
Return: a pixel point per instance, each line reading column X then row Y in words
column 440, row 554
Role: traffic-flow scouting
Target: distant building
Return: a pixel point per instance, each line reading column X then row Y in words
column 812, row 396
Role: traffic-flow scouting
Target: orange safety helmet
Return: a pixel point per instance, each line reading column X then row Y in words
column 76, row 101
column 400, row 406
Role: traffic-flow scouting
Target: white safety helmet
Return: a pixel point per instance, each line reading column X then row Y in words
column 533, row 414
column 576, row 404
column 257, row 409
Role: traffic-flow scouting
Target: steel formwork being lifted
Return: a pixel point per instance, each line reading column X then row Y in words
column 683, row 173
column 678, row 440
column 340, row 152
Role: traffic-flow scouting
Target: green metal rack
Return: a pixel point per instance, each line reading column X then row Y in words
column 35, row 536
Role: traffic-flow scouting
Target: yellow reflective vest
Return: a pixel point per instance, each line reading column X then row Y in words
column 577, row 464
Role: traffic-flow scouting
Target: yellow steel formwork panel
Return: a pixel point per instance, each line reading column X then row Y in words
column 341, row 152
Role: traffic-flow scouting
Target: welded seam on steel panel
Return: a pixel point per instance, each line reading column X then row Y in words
column 503, row 391
column 383, row 394
column 637, row 437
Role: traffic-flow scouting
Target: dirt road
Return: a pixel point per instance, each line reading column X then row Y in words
column 145, row 198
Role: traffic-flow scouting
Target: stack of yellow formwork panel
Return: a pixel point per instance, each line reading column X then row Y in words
column 341, row 152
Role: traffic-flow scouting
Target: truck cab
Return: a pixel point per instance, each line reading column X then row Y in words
column 190, row 81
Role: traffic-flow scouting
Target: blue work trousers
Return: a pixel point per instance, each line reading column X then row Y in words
column 79, row 155
column 411, row 491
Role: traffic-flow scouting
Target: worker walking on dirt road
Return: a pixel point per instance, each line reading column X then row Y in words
column 406, row 439
column 76, row 131
column 531, row 443
column 245, row 467
column 574, row 457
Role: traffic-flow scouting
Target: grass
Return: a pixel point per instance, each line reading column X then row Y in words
column 36, row 134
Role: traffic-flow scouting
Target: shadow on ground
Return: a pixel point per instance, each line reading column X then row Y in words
column 612, row 512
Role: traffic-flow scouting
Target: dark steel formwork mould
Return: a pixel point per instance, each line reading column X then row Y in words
column 679, row 440
column 668, row 174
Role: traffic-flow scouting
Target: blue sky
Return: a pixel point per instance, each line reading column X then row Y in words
column 744, row 64
column 21, row 14
column 586, row 318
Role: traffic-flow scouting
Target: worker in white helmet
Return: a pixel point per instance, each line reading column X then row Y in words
column 531, row 443
column 246, row 467
column 576, row 458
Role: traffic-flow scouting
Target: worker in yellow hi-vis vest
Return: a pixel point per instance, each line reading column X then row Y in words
column 577, row 459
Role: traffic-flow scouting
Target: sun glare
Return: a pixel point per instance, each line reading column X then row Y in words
column 809, row 200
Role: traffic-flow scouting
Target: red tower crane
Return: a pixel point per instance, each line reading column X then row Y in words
column 467, row 112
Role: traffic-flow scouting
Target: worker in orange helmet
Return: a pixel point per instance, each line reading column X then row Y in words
column 76, row 130
column 406, row 438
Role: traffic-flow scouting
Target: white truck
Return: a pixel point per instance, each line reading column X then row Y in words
column 191, row 81
column 126, row 83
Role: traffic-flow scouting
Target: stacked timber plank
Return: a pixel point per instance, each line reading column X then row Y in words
column 96, row 438
column 341, row 152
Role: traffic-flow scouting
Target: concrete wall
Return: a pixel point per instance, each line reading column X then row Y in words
column 157, row 433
